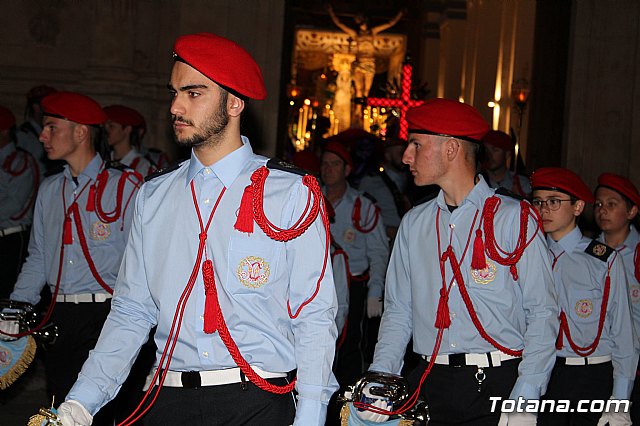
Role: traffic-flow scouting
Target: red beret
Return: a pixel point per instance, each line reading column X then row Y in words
column 124, row 116
column 223, row 61
column 499, row 139
column 563, row 180
column 306, row 160
column 38, row 92
column 7, row 119
column 444, row 117
column 340, row 150
column 621, row 184
column 74, row 107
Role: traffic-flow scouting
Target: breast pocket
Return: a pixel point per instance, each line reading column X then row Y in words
column 491, row 278
column 253, row 265
column 585, row 307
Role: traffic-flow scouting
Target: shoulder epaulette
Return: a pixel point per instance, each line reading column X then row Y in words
column 599, row 250
column 113, row 164
column 369, row 197
column 278, row 164
column 54, row 171
column 161, row 172
column 507, row 193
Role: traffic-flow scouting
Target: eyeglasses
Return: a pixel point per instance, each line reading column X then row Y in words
column 552, row 204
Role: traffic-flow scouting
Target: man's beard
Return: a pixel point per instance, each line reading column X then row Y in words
column 213, row 127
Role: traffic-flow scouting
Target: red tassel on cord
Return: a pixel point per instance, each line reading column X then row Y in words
column 357, row 207
column 478, row 261
column 91, row 201
column 636, row 260
column 211, row 306
column 67, row 235
column 244, row 223
column 560, row 339
column 442, row 316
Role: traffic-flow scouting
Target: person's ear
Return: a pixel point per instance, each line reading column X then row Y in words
column 578, row 207
column 451, row 148
column 235, row 105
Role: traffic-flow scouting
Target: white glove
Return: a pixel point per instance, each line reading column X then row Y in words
column 375, row 400
column 374, row 307
column 72, row 413
column 10, row 327
column 615, row 419
column 518, row 419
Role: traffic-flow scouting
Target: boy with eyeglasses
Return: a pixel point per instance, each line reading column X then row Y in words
column 615, row 210
column 596, row 358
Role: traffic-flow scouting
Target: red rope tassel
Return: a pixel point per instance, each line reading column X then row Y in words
column 91, row 200
column 442, row 316
column 478, row 260
column 560, row 339
column 67, row 235
column 244, row 223
column 636, row 261
column 211, row 306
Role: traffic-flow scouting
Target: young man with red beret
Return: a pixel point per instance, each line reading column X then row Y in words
column 469, row 279
column 596, row 355
column 615, row 210
column 359, row 230
column 19, row 179
column 122, row 126
column 228, row 257
column 498, row 151
column 81, row 224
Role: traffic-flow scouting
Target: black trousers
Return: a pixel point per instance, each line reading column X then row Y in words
column 13, row 252
column 79, row 326
column 454, row 395
column 223, row 405
column 574, row 383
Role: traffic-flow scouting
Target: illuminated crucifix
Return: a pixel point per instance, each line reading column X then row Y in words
column 404, row 102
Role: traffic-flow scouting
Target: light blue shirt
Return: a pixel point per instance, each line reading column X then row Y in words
column 106, row 241
column 160, row 257
column 379, row 190
column 580, row 279
column 134, row 158
column 366, row 250
column 16, row 191
column 627, row 250
column 30, row 142
column 515, row 183
column 520, row 314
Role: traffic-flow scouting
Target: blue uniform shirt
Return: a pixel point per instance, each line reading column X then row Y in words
column 16, row 191
column 137, row 162
column 515, row 183
column 520, row 314
column 158, row 261
column 580, row 278
column 627, row 250
column 365, row 250
column 106, row 241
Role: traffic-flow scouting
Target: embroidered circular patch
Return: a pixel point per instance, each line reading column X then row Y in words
column 5, row 357
column 100, row 231
column 634, row 293
column 349, row 235
column 599, row 249
column 486, row 275
column 253, row 272
column 584, row 308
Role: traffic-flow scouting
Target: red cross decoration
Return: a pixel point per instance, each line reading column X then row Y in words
column 404, row 102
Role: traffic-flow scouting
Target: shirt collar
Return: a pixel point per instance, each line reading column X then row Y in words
column 227, row 168
column 477, row 196
column 568, row 242
column 91, row 171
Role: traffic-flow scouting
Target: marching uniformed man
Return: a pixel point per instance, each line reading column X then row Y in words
column 81, row 224
column 359, row 230
column 469, row 279
column 615, row 210
column 228, row 256
column 19, row 179
column 122, row 126
column 596, row 355
column 499, row 150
